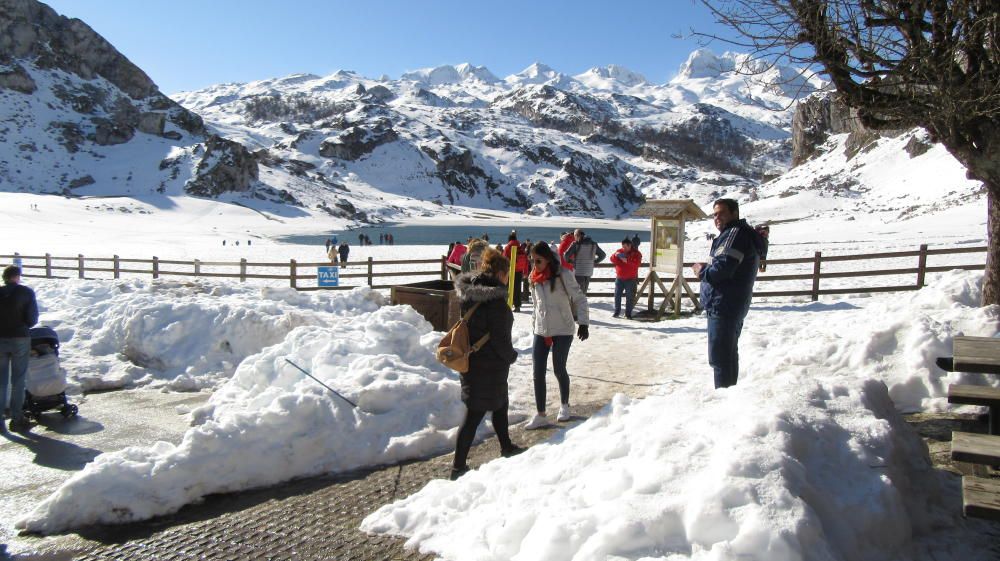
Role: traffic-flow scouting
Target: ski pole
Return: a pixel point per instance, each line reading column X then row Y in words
column 302, row 370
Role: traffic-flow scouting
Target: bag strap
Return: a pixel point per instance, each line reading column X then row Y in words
column 482, row 340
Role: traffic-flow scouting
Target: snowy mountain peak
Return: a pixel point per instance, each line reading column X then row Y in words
column 537, row 73
column 613, row 72
column 449, row 74
column 703, row 63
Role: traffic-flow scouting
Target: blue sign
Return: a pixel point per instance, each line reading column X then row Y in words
column 327, row 275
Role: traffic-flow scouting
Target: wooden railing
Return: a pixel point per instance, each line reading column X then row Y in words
column 807, row 273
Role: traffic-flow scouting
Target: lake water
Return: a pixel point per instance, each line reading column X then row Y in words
column 413, row 234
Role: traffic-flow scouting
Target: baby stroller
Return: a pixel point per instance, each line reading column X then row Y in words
column 45, row 386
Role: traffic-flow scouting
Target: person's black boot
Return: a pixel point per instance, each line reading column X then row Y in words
column 457, row 472
column 946, row 363
column 513, row 450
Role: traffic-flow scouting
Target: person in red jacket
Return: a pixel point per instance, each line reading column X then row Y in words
column 520, row 266
column 565, row 241
column 626, row 261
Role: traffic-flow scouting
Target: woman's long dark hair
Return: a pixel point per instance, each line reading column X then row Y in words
column 542, row 249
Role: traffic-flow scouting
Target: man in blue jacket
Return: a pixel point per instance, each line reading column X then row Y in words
column 726, row 287
column 18, row 312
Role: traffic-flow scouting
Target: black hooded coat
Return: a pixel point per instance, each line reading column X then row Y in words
column 484, row 386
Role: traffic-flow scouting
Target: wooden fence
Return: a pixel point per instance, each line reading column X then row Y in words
column 807, row 273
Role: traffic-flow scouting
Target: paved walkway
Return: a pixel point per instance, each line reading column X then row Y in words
column 309, row 519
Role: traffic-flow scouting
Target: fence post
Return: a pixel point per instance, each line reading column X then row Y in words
column 922, row 266
column 817, row 259
column 197, row 268
column 156, row 267
column 79, row 264
column 48, row 265
column 117, row 267
column 444, row 268
column 243, row 269
column 291, row 273
column 370, row 269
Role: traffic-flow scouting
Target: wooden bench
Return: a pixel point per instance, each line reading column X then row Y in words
column 981, row 497
column 976, row 354
column 961, row 394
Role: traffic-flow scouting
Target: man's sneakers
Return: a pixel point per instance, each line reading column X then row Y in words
column 563, row 413
column 538, row 421
column 512, row 451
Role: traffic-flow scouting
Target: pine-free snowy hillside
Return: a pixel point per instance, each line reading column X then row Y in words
column 80, row 119
column 538, row 142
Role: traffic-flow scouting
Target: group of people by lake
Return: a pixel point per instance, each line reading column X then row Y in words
column 557, row 276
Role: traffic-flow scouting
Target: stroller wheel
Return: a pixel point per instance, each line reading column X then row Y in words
column 69, row 410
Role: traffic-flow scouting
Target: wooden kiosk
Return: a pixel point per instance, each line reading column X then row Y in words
column 666, row 254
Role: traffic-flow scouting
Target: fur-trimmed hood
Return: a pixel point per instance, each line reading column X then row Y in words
column 479, row 287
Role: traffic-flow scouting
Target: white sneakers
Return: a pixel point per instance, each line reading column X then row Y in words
column 537, row 422
column 541, row 420
column 563, row 413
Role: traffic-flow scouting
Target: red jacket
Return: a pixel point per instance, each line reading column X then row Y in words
column 626, row 263
column 563, row 246
column 456, row 254
column 521, row 265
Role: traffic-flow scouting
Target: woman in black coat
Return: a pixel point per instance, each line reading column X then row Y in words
column 484, row 386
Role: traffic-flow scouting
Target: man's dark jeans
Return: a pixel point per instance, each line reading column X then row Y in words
column 626, row 287
column 723, row 352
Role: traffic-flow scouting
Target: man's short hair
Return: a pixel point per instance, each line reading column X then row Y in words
column 10, row 273
column 578, row 232
column 731, row 204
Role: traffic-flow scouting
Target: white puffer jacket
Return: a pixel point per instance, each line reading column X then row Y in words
column 553, row 313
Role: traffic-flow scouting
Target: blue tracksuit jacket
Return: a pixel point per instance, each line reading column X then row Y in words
column 727, row 282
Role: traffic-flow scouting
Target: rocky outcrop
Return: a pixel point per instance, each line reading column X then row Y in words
column 358, row 141
column 34, row 35
column 819, row 116
column 17, row 78
column 226, row 166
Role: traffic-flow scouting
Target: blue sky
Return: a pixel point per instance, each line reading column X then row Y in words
column 187, row 44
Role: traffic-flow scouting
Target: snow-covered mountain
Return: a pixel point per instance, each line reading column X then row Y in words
column 83, row 120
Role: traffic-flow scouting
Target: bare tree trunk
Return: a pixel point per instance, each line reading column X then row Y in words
column 991, row 281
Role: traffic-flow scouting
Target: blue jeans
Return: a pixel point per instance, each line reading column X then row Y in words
column 13, row 371
column 628, row 288
column 540, row 358
column 723, row 351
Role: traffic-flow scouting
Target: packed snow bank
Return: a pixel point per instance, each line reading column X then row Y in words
column 891, row 338
column 270, row 423
column 174, row 334
column 789, row 470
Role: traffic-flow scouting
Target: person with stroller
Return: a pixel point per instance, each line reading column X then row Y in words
column 484, row 386
column 18, row 313
column 559, row 303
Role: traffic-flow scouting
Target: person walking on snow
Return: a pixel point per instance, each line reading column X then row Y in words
column 559, row 303
column 584, row 253
column 484, row 386
column 18, row 313
column 472, row 257
column 727, row 286
column 626, row 261
column 344, row 251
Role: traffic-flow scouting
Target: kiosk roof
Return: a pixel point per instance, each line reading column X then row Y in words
column 670, row 208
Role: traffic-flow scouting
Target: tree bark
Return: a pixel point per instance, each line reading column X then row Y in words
column 991, row 280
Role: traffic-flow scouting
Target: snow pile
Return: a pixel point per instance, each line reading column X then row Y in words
column 181, row 335
column 782, row 471
column 894, row 339
column 806, row 458
column 270, row 423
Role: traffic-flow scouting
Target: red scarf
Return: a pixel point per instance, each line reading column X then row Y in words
column 538, row 277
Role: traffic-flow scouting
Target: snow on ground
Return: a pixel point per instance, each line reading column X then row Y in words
column 806, row 458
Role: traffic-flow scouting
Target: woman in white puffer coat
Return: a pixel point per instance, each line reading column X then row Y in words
column 559, row 305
